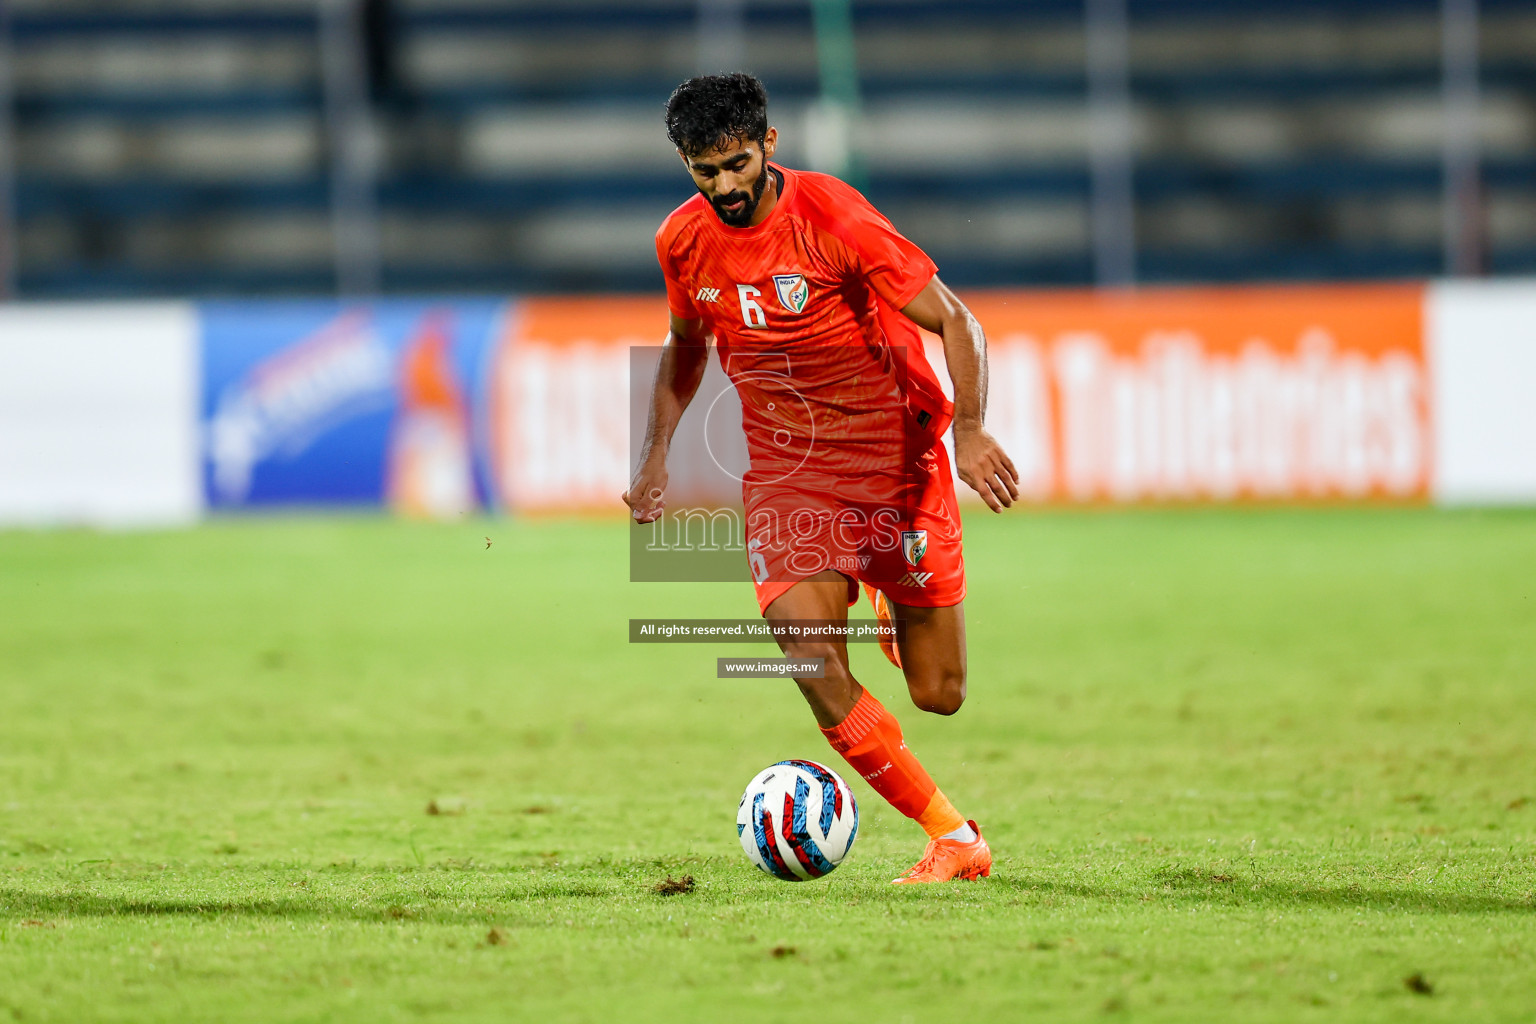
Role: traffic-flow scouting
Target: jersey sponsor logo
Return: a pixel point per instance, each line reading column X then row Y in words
column 793, row 291
column 915, row 579
column 914, row 545
column 707, row 295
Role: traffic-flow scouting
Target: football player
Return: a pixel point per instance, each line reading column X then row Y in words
column 814, row 302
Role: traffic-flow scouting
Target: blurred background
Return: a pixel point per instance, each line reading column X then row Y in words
column 268, row 147
column 399, row 253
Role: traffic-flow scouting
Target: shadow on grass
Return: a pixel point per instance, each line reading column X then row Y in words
column 381, row 906
column 1185, row 888
column 1170, row 889
column 43, row 905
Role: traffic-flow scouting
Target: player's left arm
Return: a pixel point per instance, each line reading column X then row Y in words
column 979, row 459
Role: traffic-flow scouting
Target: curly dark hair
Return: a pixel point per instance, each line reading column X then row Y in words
column 711, row 110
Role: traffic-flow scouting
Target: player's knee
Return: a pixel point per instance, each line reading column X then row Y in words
column 941, row 704
column 940, row 692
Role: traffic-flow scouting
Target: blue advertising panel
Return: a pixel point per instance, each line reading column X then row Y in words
column 325, row 402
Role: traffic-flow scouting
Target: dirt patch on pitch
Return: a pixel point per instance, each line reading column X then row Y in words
column 670, row 886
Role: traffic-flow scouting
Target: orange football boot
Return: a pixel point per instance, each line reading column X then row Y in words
column 946, row 859
column 883, row 616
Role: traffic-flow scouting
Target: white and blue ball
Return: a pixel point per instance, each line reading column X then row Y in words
column 797, row 820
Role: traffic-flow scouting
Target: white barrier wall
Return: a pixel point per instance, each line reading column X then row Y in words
column 1482, row 350
column 99, row 415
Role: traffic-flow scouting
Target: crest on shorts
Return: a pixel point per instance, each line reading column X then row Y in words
column 794, row 293
column 914, row 545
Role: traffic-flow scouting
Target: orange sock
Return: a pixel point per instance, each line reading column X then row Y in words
column 870, row 739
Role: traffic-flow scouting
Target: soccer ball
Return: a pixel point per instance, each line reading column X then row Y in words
column 797, row 820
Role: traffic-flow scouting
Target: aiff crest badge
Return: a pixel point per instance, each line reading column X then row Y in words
column 793, row 291
column 914, row 545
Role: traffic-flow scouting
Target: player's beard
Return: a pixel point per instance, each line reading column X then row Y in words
column 742, row 217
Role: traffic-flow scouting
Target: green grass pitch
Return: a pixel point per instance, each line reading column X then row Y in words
column 1235, row 765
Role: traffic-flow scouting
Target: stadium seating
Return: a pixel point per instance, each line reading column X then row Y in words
column 178, row 146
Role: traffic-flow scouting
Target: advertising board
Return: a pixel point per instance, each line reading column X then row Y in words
column 311, row 403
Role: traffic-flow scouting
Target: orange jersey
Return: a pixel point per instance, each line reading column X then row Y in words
column 803, row 308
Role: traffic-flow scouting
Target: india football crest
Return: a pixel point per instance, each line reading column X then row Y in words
column 793, row 291
column 914, row 545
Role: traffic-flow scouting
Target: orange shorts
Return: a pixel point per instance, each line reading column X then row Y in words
column 898, row 533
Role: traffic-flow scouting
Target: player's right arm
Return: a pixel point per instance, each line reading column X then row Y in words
column 684, row 356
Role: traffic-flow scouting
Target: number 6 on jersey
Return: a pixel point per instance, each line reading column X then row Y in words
column 751, row 313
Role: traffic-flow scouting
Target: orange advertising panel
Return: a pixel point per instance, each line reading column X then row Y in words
column 1189, row 394
column 559, row 402
column 1274, row 393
